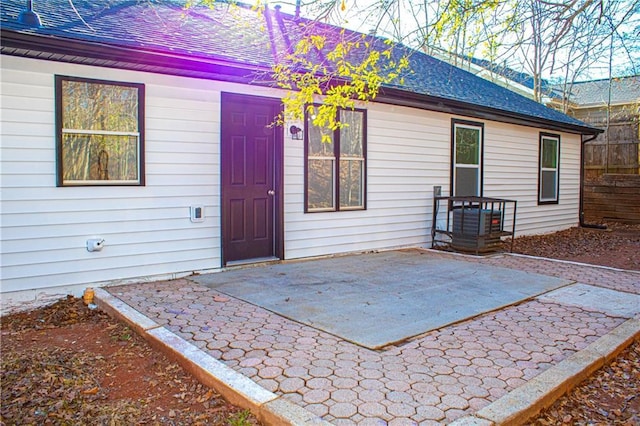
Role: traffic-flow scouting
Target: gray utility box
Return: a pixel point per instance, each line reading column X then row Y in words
column 476, row 229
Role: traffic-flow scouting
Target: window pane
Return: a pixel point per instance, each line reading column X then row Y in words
column 351, row 178
column 466, row 181
column 351, row 135
column 100, row 132
column 549, row 153
column 320, row 184
column 548, row 185
column 336, row 169
column 316, row 146
column 94, row 106
column 99, row 157
column 467, row 146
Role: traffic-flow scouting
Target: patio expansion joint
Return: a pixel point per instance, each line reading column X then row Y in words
column 233, row 386
column 523, row 403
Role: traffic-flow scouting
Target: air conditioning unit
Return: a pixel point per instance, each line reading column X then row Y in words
column 476, row 229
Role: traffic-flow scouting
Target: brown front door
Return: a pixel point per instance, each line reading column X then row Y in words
column 251, row 153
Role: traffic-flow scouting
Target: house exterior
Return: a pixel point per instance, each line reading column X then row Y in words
column 611, row 161
column 136, row 145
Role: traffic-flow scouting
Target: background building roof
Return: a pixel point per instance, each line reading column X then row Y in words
column 624, row 90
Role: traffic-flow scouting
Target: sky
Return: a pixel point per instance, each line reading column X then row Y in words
column 621, row 63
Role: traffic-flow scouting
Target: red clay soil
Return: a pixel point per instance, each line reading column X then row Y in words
column 68, row 365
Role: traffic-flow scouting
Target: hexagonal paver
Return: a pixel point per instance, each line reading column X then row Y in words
column 370, row 395
column 268, row 372
column 344, row 395
column 343, row 410
column 454, row 401
column 372, row 409
column 316, row 396
column 291, row 384
column 430, row 413
column 431, row 379
column 401, row 410
column 342, row 383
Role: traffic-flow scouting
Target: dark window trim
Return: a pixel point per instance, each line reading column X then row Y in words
column 540, row 138
column 454, row 122
column 58, row 118
column 336, row 153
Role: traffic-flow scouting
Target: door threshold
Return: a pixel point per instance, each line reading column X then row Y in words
column 255, row 261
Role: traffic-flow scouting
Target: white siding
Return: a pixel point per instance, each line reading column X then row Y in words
column 147, row 229
column 511, row 171
column 407, row 154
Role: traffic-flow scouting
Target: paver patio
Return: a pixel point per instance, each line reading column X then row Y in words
column 434, row 378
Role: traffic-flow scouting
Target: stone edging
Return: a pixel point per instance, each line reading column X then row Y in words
column 522, row 403
column 268, row 407
column 516, row 407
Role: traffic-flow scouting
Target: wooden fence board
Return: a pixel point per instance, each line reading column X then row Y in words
column 612, row 197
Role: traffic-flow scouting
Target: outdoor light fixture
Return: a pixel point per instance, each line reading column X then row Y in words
column 296, row 132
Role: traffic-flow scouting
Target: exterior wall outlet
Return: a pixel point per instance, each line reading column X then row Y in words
column 95, row 244
column 197, row 213
column 437, row 191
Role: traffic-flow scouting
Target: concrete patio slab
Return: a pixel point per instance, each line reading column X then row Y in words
column 378, row 299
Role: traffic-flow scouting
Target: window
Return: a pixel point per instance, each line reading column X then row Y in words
column 466, row 170
column 548, row 182
column 100, row 129
column 336, row 170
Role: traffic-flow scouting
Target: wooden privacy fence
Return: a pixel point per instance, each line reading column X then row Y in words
column 612, row 198
column 613, row 158
column 620, row 155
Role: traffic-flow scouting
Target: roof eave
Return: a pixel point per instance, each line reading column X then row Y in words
column 132, row 58
column 83, row 52
column 604, row 104
column 434, row 103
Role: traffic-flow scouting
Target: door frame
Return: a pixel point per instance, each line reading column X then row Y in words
column 278, row 171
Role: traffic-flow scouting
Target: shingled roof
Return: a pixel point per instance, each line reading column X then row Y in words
column 623, row 90
column 238, row 44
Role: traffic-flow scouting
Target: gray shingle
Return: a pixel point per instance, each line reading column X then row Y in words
column 239, row 35
column 624, row 90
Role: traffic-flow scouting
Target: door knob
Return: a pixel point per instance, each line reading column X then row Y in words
column 271, row 192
